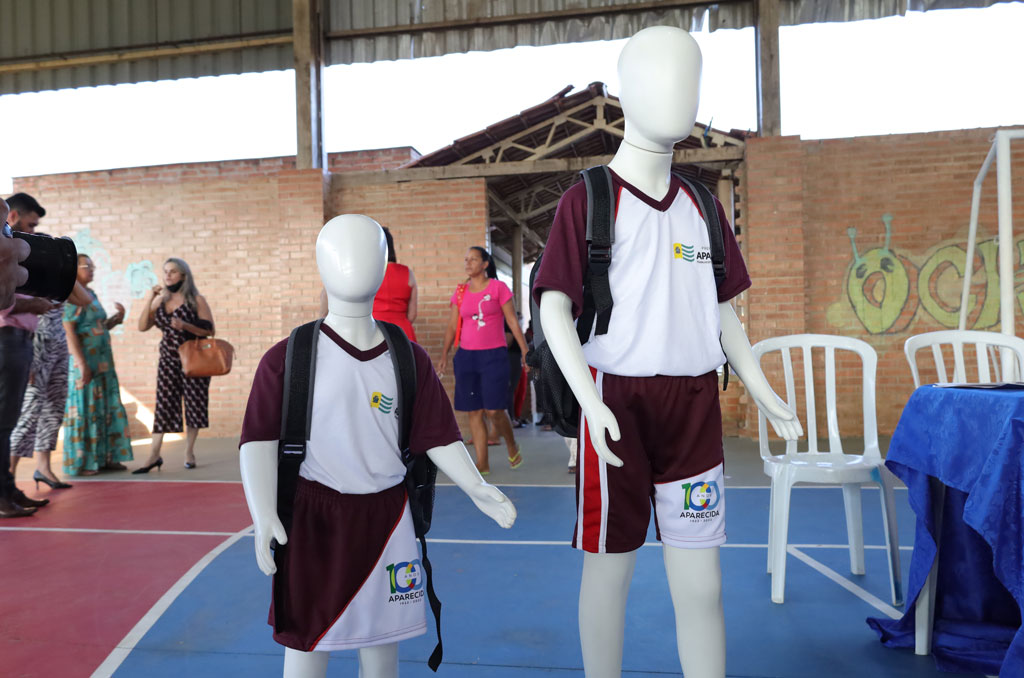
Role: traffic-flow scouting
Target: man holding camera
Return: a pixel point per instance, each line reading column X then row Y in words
column 17, row 325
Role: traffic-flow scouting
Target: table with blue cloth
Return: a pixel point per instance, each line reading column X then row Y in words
column 972, row 441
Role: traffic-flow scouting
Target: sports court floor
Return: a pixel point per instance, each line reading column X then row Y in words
column 154, row 576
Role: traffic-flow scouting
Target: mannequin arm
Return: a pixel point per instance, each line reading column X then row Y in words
column 560, row 333
column 258, row 461
column 454, row 460
column 744, row 364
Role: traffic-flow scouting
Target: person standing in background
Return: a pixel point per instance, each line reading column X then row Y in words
column 397, row 299
column 182, row 314
column 17, row 326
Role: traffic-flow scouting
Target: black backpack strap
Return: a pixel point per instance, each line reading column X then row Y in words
column 404, row 361
column 597, row 293
column 709, row 210
column 296, row 414
column 400, row 349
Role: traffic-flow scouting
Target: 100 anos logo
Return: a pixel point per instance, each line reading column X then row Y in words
column 701, row 499
column 406, row 581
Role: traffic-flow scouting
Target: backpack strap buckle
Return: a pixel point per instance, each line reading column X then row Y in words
column 599, row 259
column 296, row 449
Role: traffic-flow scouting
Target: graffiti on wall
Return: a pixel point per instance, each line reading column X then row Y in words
column 885, row 290
column 112, row 285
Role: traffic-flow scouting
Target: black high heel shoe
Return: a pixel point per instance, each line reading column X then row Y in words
column 190, row 464
column 146, row 469
column 54, row 484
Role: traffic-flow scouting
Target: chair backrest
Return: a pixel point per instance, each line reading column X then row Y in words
column 985, row 347
column 830, row 344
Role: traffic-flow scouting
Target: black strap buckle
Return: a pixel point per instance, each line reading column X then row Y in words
column 599, row 258
column 293, row 448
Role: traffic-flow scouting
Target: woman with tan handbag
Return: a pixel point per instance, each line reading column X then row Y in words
column 181, row 313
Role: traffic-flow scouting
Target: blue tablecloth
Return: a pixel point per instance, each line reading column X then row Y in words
column 973, row 441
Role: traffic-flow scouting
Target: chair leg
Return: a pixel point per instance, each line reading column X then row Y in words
column 892, row 538
column 854, row 527
column 771, row 522
column 782, row 485
column 924, row 608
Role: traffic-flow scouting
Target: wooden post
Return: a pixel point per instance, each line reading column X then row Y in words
column 517, row 266
column 307, row 44
column 766, row 36
column 725, row 196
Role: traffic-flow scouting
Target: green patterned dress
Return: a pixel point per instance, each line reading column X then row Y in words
column 95, row 423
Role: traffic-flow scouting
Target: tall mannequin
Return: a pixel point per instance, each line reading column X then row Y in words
column 659, row 70
column 351, row 255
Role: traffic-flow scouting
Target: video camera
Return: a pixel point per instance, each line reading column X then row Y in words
column 52, row 266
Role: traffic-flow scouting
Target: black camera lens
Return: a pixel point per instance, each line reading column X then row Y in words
column 52, row 266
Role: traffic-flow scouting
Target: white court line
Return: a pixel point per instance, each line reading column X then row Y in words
column 866, row 596
column 147, row 480
column 169, row 533
column 727, row 545
column 128, row 643
column 728, row 487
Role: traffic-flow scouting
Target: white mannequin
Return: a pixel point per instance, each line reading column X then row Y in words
column 659, row 71
column 351, row 253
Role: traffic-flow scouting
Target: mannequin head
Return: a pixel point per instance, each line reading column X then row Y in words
column 352, row 255
column 659, row 75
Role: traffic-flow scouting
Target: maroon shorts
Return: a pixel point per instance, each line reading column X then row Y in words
column 334, row 547
column 671, row 449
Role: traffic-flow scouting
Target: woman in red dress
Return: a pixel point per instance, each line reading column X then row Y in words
column 396, row 299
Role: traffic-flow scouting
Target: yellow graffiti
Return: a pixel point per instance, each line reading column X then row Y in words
column 885, row 288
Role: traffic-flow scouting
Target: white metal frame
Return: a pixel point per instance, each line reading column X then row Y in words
column 1000, row 152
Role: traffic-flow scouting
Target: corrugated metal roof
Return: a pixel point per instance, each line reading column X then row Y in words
column 37, row 36
column 363, row 31
column 34, row 30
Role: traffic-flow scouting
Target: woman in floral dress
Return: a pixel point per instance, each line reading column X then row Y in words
column 95, row 423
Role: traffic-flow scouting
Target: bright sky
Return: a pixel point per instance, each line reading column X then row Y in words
column 952, row 69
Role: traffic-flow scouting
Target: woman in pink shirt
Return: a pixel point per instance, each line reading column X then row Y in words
column 480, row 308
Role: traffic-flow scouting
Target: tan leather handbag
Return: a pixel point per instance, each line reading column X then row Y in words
column 206, row 357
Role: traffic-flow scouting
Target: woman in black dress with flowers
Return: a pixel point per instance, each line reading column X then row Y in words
column 181, row 313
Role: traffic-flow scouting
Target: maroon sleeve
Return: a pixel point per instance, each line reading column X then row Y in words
column 433, row 420
column 736, row 277
column 565, row 254
column 262, row 420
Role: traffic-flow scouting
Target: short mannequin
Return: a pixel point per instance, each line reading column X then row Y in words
column 659, row 70
column 351, row 254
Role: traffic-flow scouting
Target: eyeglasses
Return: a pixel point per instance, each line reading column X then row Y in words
column 8, row 233
column 91, row 267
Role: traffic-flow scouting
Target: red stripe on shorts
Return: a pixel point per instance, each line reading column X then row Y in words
column 591, row 538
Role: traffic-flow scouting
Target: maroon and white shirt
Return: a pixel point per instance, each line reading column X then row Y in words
column 353, row 445
column 665, row 315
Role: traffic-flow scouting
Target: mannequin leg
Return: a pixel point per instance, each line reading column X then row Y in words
column 695, row 582
column 479, row 430
column 379, row 661
column 603, row 592
column 298, row 664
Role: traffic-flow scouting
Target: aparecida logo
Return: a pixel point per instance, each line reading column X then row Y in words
column 381, row 402
column 406, row 581
column 700, row 499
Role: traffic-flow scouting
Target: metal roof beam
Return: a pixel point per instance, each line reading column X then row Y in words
column 688, row 156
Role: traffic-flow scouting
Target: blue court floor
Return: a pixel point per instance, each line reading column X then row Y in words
column 510, row 599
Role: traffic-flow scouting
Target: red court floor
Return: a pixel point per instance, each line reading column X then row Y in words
column 82, row 572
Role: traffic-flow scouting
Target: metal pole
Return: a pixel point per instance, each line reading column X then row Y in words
column 1006, row 306
column 972, row 235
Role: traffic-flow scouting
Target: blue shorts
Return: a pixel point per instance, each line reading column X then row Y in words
column 481, row 379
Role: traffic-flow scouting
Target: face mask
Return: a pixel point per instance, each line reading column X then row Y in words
column 175, row 287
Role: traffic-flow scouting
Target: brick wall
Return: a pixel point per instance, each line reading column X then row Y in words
column 804, row 197
column 433, row 223
column 247, row 229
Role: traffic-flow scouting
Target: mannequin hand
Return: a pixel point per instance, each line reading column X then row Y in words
column 783, row 419
column 599, row 421
column 493, row 503
column 264, row 533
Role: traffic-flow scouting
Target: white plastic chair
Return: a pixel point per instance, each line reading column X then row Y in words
column 986, row 345
column 830, row 465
